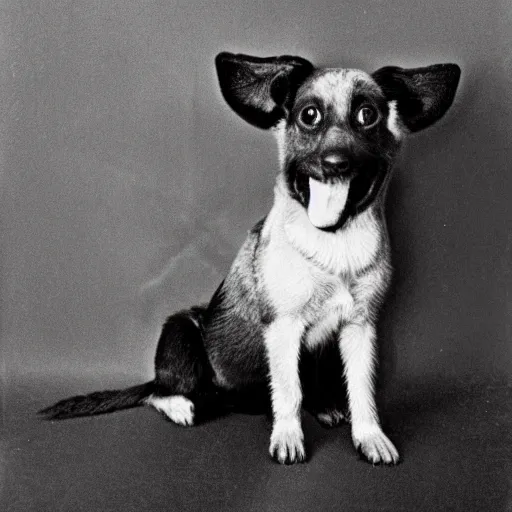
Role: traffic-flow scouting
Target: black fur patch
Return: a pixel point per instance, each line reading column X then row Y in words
column 423, row 95
column 259, row 89
column 99, row 402
column 181, row 363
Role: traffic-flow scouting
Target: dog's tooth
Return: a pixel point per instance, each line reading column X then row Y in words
column 326, row 202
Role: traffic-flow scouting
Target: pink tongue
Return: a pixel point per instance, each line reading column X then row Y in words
column 326, row 202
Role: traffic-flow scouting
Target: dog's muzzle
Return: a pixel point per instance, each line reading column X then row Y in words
column 322, row 186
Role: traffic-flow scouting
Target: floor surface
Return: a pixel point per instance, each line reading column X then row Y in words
column 455, row 442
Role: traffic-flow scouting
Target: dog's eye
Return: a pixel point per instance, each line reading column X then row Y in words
column 310, row 117
column 367, row 116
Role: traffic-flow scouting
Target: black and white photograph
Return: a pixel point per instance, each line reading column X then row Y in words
column 255, row 256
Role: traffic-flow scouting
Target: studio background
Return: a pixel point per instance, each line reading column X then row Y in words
column 127, row 188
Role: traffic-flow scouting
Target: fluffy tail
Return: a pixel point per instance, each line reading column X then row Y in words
column 99, row 402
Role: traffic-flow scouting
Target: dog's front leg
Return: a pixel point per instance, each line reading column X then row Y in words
column 357, row 345
column 282, row 340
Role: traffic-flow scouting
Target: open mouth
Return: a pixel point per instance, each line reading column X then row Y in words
column 327, row 202
column 331, row 201
column 324, row 200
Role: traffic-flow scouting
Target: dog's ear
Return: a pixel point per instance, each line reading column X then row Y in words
column 259, row 89
column 423, row 95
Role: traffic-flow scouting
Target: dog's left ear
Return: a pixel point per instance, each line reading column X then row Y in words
column 423, row 95
column 259, row 89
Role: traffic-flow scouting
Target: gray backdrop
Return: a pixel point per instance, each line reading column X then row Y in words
column 128, row 185
column 127, row 188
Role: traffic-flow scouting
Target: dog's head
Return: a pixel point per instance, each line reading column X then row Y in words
column 338, row 130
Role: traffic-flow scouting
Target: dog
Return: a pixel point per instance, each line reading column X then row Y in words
column 293, row 325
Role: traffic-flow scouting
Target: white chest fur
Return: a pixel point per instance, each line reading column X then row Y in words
column 308, row 273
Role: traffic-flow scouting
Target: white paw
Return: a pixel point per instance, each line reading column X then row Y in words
column 331, row 418
column 287, row 442
column 177, row 408
column 374, row 445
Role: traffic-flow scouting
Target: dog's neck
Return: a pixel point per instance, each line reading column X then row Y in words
column 349, row 250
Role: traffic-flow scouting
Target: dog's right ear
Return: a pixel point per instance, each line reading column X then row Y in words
column 260, row 89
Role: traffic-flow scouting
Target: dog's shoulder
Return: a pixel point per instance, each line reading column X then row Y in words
column 239, row 292
column 242, row 268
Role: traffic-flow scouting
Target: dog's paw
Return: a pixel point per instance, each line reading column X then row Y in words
column 373, row 445
column 331, row 418
column 177, row 408
column 287, row 442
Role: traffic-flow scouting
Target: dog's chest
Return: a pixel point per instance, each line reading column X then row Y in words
column 308, row 273
column 299, row 287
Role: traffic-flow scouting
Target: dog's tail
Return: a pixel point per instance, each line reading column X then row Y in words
column 99, row 402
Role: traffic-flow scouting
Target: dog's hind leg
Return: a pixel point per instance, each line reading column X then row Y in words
column 178, row 408
column 182, row 370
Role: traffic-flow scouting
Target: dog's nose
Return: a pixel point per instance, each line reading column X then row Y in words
column 337, row 162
